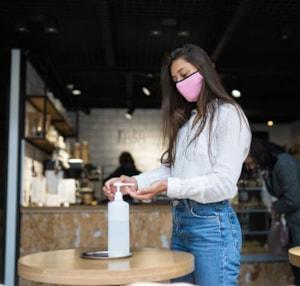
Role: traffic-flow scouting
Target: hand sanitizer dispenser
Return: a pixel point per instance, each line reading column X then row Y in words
column 118, row 224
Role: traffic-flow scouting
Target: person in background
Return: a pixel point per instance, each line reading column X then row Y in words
column 208, row 139
column 283, row 182
column 126, row 167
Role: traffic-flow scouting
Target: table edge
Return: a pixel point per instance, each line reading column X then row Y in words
column 51, row 276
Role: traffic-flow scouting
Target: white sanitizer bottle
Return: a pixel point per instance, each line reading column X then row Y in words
column 118, row 224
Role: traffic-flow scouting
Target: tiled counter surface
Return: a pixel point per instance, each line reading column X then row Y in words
column 45, row 229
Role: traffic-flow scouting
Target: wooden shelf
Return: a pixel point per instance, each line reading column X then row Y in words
column 41, row 143
column 64, row 128
column 58, row 120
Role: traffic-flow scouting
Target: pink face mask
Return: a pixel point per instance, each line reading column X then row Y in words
column 190, row 87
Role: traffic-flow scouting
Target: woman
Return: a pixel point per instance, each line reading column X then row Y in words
column 282, row 182
column 207, row 138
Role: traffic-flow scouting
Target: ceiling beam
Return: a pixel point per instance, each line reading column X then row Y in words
column 105, row 22
column 230, row 29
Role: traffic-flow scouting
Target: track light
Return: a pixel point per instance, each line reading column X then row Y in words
column 183, row 30
column 146, row 91
column 76, row 92
column 236, row 93
column 70, row 86
column 22, row 27
column 150, row 75
column 72, row 89
column 155, row 29
column 50, row 26
column 51, row 30
column 183, row 33
column 129, row 113
column 285, row 32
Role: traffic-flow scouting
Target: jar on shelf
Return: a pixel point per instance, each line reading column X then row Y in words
column 76, row 150
column 85, row 152
column 87, row 195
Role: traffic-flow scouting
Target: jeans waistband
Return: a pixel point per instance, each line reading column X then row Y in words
column 187, row 203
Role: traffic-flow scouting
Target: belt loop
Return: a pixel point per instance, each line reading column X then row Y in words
column 187, row 204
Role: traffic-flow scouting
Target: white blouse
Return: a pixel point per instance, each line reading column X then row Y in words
column 206, row 171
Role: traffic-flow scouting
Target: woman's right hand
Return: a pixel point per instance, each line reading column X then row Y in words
column 109, row 189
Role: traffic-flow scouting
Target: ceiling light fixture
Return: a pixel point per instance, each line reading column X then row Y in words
column 184, row 30
column 21, row 27
column 155, row 30
column 70, row 86
column 183, row 33
column 150, row 75
column 285, row 32
column 236, row 93
column 155, row 33
column 76, row 92
column 270, row 123
column 50, row 26
column 51, row 30
column 129, row 113
column 146, row 91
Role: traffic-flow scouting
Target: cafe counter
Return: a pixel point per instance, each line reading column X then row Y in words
column 51, row 228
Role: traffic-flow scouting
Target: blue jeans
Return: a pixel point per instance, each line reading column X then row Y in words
column 212, row 233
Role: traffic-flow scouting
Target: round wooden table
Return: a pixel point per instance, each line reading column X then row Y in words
column 66, row 267
column 294, row 256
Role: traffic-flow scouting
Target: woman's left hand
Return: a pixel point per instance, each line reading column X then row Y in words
column 149, row 192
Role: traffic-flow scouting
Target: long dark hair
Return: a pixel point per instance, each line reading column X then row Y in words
column 176, row 110
column 265, row 153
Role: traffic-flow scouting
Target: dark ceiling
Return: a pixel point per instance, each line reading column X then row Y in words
column 106, row 49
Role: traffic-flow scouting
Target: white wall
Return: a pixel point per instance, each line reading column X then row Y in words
column 34, row 83
column 109, row 133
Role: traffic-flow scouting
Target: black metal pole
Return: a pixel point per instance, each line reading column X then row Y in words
column 22, row 109
column 45, row 112
column 77, row 125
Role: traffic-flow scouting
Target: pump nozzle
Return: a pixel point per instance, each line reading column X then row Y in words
column 118, row 185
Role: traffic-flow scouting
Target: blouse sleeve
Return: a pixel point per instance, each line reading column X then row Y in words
column 147, row 178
